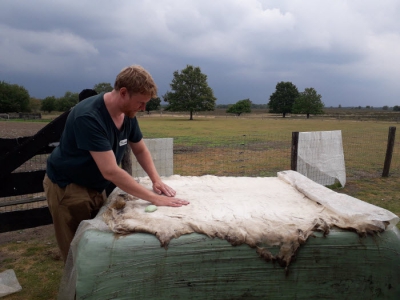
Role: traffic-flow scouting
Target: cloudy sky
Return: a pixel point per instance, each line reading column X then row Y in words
column 349, row 51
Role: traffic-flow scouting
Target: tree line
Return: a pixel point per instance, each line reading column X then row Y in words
column 70, row 99
column 15, row 98
column 287, row 99
column 189, row 92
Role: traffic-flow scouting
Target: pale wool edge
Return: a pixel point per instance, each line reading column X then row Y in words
column 344, row 205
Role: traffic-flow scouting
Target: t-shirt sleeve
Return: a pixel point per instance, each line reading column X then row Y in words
column 135, row 134
column 90, row 135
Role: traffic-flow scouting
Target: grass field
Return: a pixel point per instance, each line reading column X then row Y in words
column 35, row 259
column 213, row 145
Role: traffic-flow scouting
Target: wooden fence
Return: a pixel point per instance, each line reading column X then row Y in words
column 14, row 153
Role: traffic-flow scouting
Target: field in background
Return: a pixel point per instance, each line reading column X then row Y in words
column 227, row 146
column 331, row 113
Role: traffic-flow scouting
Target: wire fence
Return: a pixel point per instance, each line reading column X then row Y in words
column 267, row 154
column 252, row 156
column 242, row 155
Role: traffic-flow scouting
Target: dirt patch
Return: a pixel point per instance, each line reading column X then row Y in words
column 187, row 149
column 16, row 243
column 351, row 189
column 9, row 129
column 40, row 233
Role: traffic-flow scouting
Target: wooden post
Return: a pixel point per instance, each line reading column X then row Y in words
column 295, row 144
column 389, row 151
column 126, row 162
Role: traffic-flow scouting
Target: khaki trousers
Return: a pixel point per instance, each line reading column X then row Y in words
column 68, row 207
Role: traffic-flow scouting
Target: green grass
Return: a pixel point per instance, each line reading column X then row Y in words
column 37, row 266
column 382, row 192
column 231, row 147
column 364, row 143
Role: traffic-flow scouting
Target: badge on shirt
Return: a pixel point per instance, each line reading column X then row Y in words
column 123, row 142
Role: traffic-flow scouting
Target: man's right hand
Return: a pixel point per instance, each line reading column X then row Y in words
column 169, row 201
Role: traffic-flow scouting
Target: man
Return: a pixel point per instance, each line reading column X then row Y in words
column 95, row 136
column 86, row 93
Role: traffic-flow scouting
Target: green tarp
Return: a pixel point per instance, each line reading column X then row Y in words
column 341, row 265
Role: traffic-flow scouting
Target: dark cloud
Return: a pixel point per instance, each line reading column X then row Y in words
column 346, row 50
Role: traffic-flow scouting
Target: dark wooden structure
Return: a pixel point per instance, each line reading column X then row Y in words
column 15, row 152
column 389, row 151
column 294, row 150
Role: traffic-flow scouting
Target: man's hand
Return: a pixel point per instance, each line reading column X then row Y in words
column 169, row 201
column 161, row 188
column 111, row 171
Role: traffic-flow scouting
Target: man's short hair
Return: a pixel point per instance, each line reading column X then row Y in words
column 137, row 81
column 86, row 93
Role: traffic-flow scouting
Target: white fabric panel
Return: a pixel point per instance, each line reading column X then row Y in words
column 320, row 157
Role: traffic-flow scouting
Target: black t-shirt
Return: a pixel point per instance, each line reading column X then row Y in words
column 89, row 127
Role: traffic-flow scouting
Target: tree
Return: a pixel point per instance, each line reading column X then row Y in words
column 153, row 104
column 385, row 107
column 103, row 87
column 308, row 102
column 13, row 98
column 242, row 106
column 259, row 106
column 190, row 92
column 67, row 101
column 281, row 101
column 396, row 108
column 35, row 104
column 49, row 104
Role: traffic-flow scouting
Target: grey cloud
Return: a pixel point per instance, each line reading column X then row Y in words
column 347, row 50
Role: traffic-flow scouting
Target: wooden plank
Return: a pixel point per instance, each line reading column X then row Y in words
column 7, row 145
column 22, row 219
column 16, row 184
column 49, row 134
column 22, row 201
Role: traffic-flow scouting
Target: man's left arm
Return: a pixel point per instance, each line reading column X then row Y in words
column 144, row 158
